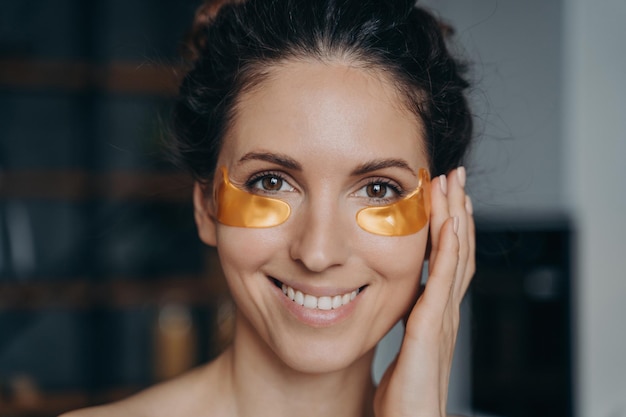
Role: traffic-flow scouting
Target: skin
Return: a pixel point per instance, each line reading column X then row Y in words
column 328, row 130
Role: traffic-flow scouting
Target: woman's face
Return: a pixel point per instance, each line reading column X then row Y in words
column 328, row 139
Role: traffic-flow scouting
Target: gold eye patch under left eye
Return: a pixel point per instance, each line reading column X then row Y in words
column 401, row 218
column 240, row 208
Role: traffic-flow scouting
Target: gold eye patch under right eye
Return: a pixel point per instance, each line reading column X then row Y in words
column 401, row 218
column 240, row 208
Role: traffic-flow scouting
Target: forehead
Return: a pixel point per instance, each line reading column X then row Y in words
column 330, row 110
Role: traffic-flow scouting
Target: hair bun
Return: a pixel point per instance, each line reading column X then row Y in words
column 196, row 39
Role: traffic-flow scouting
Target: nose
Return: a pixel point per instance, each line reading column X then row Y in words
column 321, row 240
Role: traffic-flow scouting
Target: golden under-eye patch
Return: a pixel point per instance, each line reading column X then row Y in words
column 236, row 207
column 401, row 218
column 239, row 208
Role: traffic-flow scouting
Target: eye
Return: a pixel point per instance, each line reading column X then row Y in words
column 271, row 183
column 380, row 191
column 376, row 190
column 268, row 183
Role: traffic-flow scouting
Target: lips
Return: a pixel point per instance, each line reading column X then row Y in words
column 309, row 301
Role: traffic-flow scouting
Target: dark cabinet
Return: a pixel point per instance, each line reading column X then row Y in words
column 522, row 318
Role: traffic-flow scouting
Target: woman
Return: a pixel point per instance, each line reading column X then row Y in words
column 312, row 128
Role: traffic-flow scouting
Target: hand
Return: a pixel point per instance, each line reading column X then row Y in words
column 416, row 382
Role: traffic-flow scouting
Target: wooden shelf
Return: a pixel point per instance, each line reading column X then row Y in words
column 120, row 208
column 76, row 185
column 78, row 76
column 120, row 293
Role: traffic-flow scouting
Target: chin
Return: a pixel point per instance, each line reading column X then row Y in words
column 326, row 350
column 324, row 359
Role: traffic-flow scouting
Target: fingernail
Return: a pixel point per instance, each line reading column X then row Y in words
column 468, row 205
column 443, row 182
column 456, row 224
column 461, row 173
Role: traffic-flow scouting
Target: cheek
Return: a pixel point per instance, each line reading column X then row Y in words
column 398, row 264
column 244, row 250
column 398, row 258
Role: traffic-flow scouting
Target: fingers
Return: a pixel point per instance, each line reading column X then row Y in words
column 439, row 213
column 450, row 201
column 458, row 208
column 443, row 270
column 471, row 238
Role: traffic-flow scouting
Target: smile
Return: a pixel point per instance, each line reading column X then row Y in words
column 320, row 303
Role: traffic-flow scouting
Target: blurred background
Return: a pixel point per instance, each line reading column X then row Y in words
column 105, row 288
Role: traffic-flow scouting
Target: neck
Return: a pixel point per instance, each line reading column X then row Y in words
column 262, row 385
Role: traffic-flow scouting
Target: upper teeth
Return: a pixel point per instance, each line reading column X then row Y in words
column 322, row 303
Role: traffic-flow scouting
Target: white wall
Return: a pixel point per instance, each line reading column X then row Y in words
column 595, row 132
column 514, row 48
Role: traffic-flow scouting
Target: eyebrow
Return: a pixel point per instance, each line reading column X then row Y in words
column 377, row 164
column 278, row 159
column 290, row 163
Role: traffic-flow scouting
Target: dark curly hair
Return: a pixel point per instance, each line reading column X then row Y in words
column 234, row 44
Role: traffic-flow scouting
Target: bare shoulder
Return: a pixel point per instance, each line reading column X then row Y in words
column 99, row 411
column 182, row 396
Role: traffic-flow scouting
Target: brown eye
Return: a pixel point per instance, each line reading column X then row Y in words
column 376, row 190
column 271, row 183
